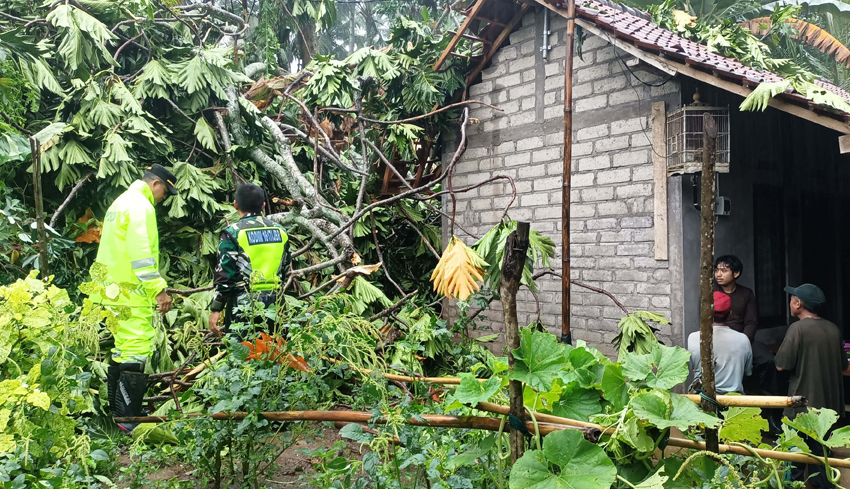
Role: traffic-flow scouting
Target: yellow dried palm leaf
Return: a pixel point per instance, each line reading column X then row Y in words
column 458, row 271
column 683, row 19
column 807, row 33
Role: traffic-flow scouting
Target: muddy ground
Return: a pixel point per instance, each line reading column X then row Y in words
column 293, row 473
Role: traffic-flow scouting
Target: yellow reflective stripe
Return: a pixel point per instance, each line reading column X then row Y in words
column 144, row 262
column 144, row 277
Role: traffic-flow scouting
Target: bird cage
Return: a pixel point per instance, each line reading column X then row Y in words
column 685, row 138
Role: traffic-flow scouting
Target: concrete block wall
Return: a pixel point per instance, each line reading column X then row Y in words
column 612, row 231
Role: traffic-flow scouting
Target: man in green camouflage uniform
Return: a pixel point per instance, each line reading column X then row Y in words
column 253, row 258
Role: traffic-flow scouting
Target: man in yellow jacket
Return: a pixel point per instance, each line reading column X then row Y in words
column 129, row 248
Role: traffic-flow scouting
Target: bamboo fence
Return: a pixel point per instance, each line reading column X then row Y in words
column 546, row 424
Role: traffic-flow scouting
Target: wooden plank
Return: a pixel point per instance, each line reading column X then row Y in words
column 463, row 27
column 498, row 43
column 473, row 38
column 659, row 172
column 844, row 144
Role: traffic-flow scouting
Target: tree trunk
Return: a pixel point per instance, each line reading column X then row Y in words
column 516, row 250
column 706, row 330
column 308, row 40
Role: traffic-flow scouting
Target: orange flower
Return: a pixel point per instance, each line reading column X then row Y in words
column 272, row 350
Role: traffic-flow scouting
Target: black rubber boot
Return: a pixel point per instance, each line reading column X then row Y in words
column 130, row 392
column 112, row 374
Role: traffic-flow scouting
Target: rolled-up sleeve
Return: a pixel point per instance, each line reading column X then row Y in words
column 786, row 357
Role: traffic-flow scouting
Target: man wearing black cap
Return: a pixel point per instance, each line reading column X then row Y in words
column 813, row 352
column 129, row 249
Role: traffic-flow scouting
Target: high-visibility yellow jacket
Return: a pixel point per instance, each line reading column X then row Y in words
column 129, row 246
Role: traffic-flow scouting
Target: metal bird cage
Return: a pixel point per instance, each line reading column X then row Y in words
column 685, row 138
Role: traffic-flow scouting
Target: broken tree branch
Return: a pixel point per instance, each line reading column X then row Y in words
column 67, row 200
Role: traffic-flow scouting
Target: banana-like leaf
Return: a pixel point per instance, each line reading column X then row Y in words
column 807, row 33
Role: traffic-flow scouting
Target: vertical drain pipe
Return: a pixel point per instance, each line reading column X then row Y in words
column 546, row 46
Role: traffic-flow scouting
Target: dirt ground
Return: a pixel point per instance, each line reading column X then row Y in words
column 293, row 466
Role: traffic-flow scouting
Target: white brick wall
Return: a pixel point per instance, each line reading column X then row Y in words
column 612, row 189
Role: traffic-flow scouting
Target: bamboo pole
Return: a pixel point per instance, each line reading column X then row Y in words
column 567, row 173
column 35, row 151
column 546, row 424
column 425, row 420
column 731, row 401
column 706, row 328
column 755, row 401
column 675, row 442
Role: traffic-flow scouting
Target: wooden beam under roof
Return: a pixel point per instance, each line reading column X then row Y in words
column 459, row 34
column 498, row 42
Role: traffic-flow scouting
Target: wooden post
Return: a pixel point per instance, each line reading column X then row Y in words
column 706, row 306
column 516, row 250
column 35, row 151
column 567, row 172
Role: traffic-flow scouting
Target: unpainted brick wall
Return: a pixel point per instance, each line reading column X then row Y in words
column 612, row 231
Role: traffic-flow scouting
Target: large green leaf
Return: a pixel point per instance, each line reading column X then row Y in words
column 815, row 423
column 743, row 424
column 577, row 402
column 538, row 359
column 663, row 368
column 576, row 464
column 471, row 391
column 678, row 411
column 614, row 386
column 205, row 134
column 839, row 438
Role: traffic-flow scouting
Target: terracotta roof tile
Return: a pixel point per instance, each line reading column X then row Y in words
column 649, row 36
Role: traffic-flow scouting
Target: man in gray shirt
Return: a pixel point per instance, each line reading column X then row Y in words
column 813, row 352
column 733, row 356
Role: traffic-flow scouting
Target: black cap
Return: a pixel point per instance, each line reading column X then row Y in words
column 811, row 295
column 166, row 176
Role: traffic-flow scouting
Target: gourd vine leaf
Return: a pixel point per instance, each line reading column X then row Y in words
column 614, row 386
column 545, row 400
column 815, row 423
column 481, row 449
column 663, row 368
column 471, row 391
column 579, row 465
column 791, row 438
column 577, row 402
column 743, row 424
column 679, row 411
column 839, row 438
column 538, row 359
column 354, row 432
column 655, row 481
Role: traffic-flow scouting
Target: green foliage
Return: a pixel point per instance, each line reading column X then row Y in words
column 566, row 461
column 491, row 247
column 723, row 34
column 636, row 335
column 539, row 358
column 662, row 368
column 743, row 424
column 44, row 343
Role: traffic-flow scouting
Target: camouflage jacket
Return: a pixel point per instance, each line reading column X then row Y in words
column 233, row 272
